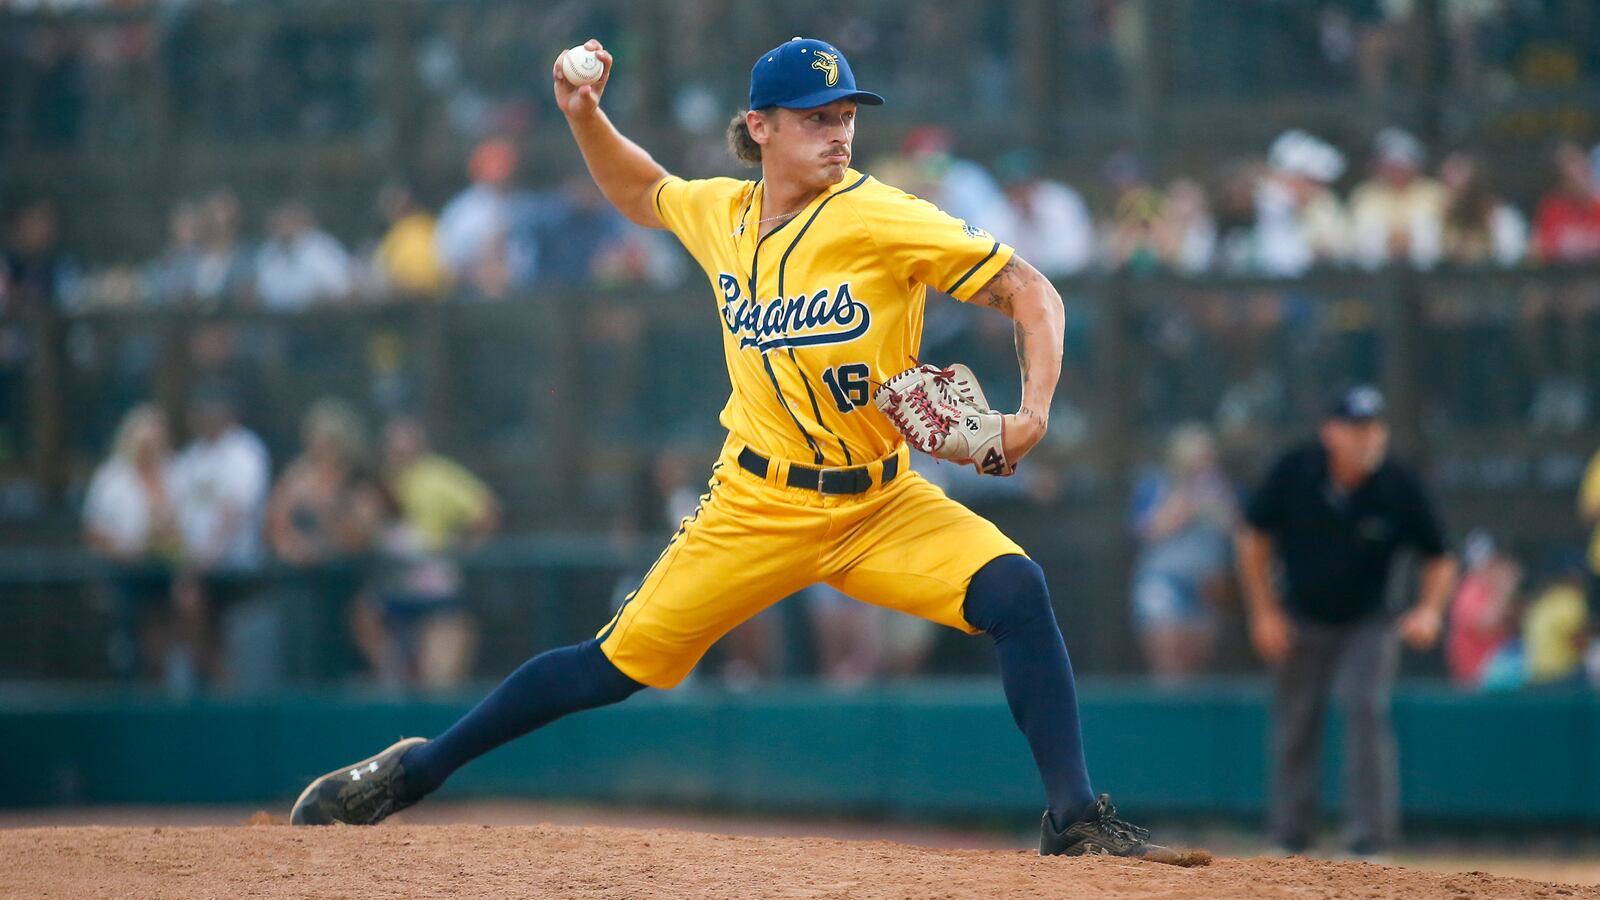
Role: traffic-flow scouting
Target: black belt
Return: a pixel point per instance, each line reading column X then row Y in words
column 856, row 480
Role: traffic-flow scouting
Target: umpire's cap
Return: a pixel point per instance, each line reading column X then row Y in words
column 804, row 73
column 1361, row 403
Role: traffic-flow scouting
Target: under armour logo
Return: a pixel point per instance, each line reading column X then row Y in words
column 355, row 774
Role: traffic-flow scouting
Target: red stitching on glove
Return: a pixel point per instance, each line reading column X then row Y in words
column 938, row 423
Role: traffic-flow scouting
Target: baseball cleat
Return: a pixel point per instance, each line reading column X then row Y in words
column 360, row 794
column 1101, row 833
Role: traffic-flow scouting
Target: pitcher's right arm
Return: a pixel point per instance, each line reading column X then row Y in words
column 625, row 173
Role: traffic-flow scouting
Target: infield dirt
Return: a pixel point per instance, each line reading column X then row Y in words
column 561, row 861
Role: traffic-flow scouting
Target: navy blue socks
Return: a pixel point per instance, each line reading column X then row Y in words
column 544, row 689
column 1008, row 599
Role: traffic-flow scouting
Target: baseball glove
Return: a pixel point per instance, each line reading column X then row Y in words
column 942, row 412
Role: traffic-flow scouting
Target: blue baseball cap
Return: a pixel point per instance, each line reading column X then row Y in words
column 803, row 74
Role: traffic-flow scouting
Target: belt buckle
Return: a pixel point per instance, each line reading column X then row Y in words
column 851, row 474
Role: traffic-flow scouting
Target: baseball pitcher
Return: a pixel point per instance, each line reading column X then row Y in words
column 818, row 274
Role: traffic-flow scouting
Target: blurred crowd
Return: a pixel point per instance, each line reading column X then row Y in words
column 1517, row 623
column 491, row 240
column 374, row 530
column 412, row 93
column 302, row 75
column 377, row 523
column 1511, row 623
column 1279, row 216
column 205, row 540
column 212, row 549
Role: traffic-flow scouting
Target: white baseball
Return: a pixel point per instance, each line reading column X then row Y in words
column 581, row 66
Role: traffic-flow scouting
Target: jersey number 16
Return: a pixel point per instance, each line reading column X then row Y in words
column 848, row 383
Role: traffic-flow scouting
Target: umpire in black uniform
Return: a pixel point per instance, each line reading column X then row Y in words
column 1335, row 512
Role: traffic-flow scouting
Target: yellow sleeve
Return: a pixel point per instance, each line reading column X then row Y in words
column 697, row 211
column 923, row 243
column 466, row 494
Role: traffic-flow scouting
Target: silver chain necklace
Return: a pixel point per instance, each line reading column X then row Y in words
column 760, row 222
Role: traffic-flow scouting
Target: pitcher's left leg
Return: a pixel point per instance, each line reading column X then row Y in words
column 923, row 553
column 1008, row 599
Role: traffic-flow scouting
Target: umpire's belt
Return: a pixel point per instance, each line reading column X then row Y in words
column 848, row 480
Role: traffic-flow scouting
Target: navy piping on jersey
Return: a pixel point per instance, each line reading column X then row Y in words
column 817, row 410
column 755, row 260
column 816, row 451
column 682, row 527
column 657, row 199
column 766, row 362
column 783, row 262
column 974, row 270
column 745, row 213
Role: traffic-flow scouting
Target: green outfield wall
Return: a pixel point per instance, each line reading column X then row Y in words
column 946, row 748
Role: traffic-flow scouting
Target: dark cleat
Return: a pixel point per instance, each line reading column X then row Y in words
column 361, row 794
column 1101, row 833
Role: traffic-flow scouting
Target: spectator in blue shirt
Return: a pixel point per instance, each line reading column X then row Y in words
column 1183, row 516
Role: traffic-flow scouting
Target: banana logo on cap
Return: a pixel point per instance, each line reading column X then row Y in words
column 828, row 64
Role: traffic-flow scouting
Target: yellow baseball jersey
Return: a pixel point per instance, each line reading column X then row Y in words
column 825, row 307
column 813, row 317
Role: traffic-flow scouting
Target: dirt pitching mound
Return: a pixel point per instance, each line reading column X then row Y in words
column 547, row 860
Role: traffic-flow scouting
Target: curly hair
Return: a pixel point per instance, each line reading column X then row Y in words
column 744, row 147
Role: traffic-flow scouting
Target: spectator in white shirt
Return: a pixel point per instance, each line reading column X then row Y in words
column 1397, row 216
column 1300, row 224
column 1049, row 223
column 300, row 265
column 221, row 480
column 220, row 485
column 129, row 520
column 128, row 514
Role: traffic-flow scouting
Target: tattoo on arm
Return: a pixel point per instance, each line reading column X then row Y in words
column 1022, row 335
column 1013, row 278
